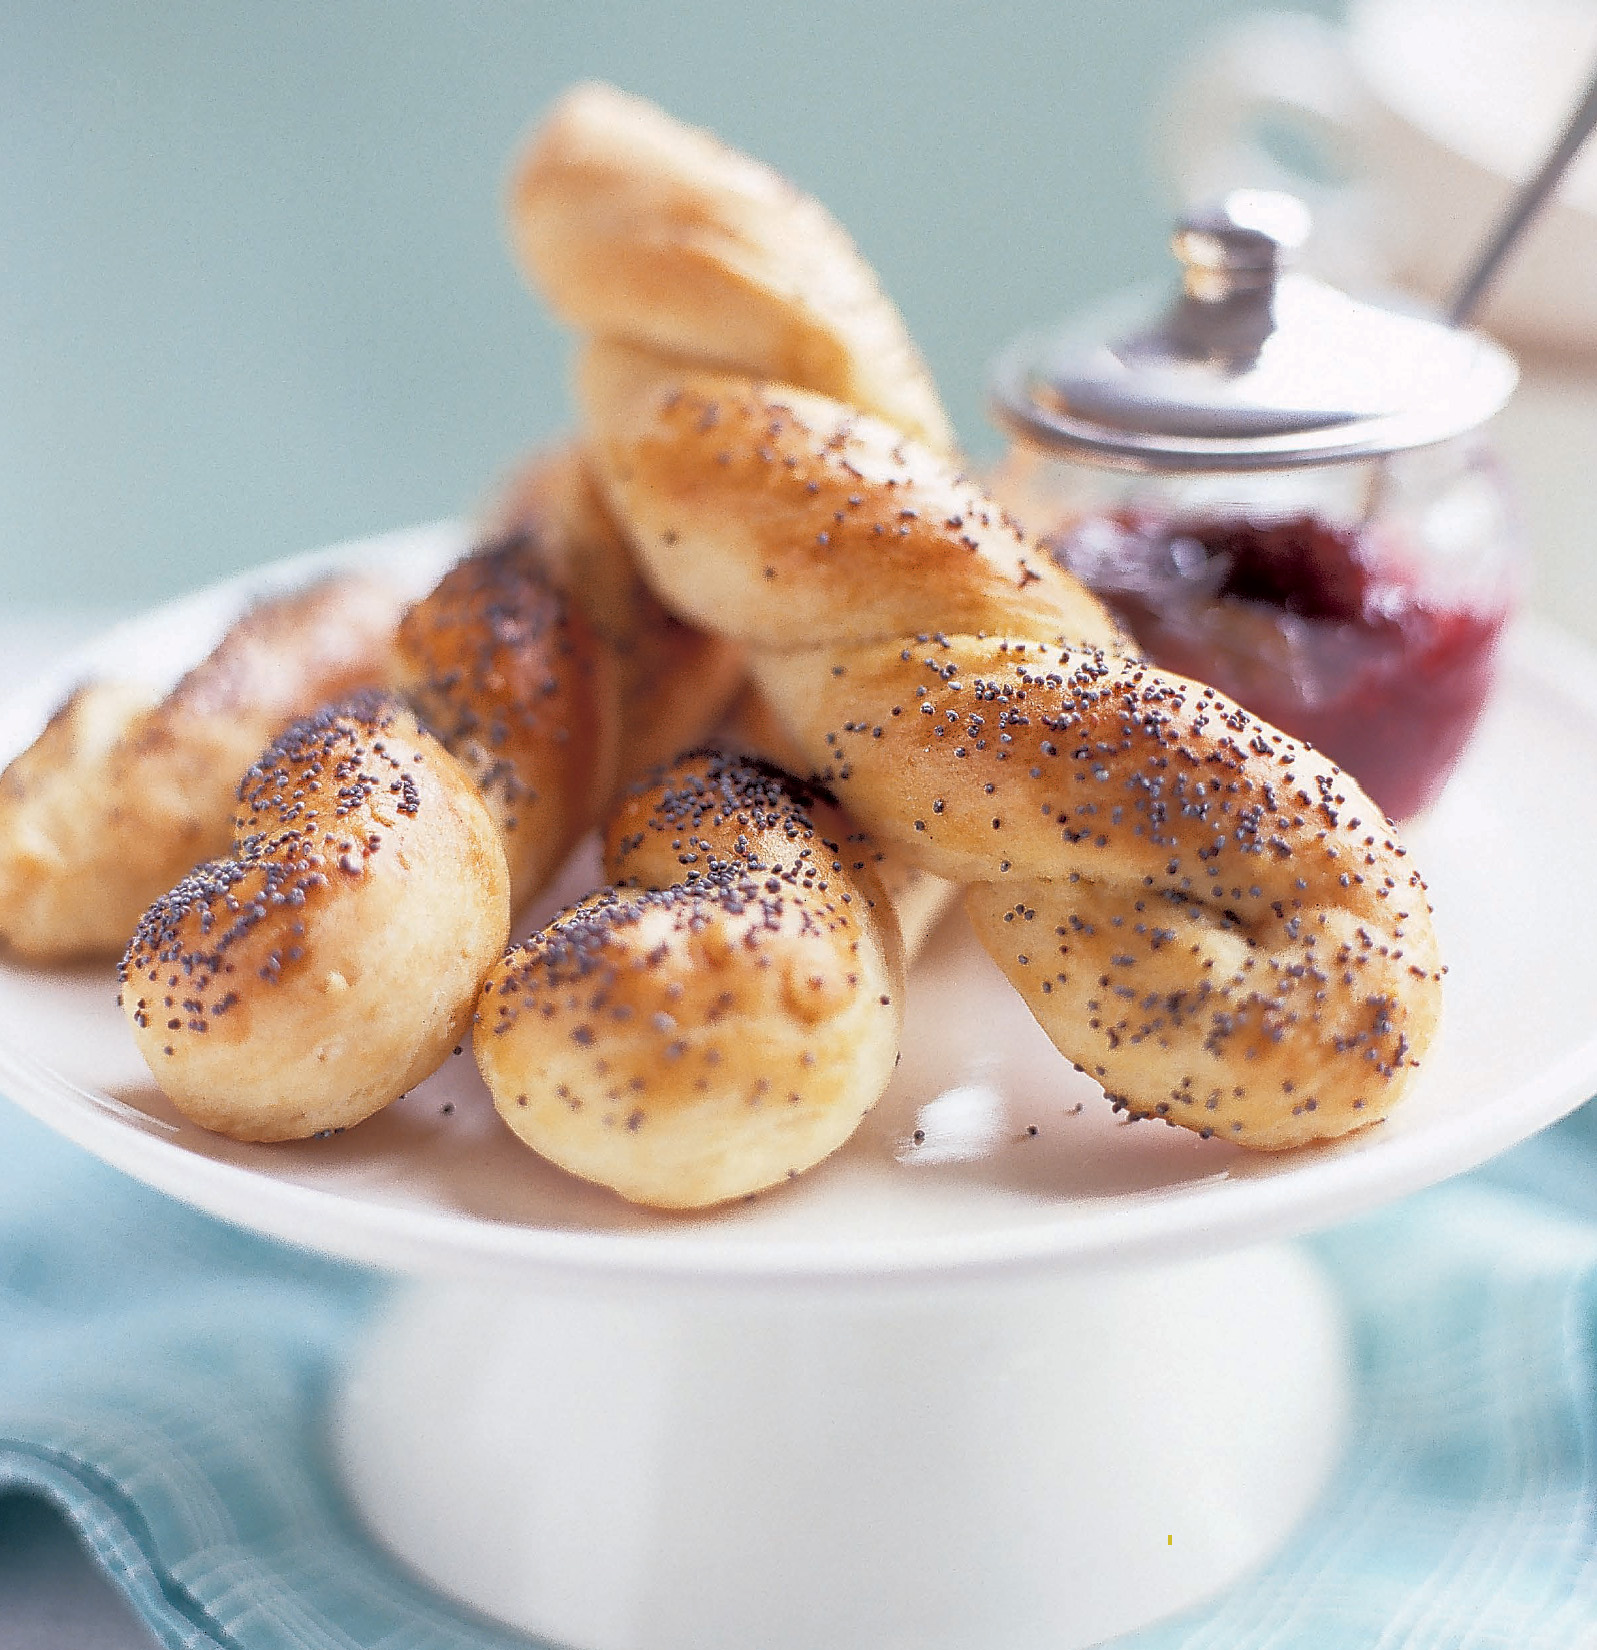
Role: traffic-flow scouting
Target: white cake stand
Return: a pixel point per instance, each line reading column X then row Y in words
column 1004, row 1373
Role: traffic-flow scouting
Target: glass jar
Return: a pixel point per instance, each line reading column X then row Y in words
column 1340, row 558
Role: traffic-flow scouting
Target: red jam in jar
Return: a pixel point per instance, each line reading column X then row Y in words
column 1329, row 632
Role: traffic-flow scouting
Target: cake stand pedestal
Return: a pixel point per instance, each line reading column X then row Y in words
column 1038, row 1464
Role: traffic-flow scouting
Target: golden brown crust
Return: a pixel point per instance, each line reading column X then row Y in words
column 721, row 1024
column 635, row 226
column 120, row 797
column 783, row 519
column 919, row 899
column 504, row 670
column 1215, row 922
column 661, row 684
column 1209, row 917
column 333, row 960
column 983, row 717
column 1269, row 1033
column 544, row 662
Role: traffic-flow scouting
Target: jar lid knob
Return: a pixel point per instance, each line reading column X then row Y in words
column 1240, row 243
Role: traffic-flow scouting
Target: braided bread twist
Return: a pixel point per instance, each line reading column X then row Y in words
column 722, row 1019
column 635, row 226
column 551, row 672
column 125, row 791
column 332, row 959
column 1211, row 919
column 662, row 685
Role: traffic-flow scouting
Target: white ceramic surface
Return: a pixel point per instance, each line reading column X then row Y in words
column 1020, row 1164
column 1425, row 112
column 1026, row 1467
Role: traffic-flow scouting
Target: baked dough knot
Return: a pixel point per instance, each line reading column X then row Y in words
column 1207, row 916
column 721, row 1017
column 331, row 960
column 126, row 790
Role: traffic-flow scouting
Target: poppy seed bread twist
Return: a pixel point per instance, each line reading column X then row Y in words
column 721, row 1017
column 126, row 790
column 331, row 960
column 1207, row 916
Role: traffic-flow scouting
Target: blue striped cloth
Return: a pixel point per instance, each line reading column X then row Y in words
column 162, row 1381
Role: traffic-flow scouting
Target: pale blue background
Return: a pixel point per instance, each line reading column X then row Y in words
column 254, row 295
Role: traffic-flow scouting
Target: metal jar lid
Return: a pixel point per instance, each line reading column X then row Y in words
column 1253, row 368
